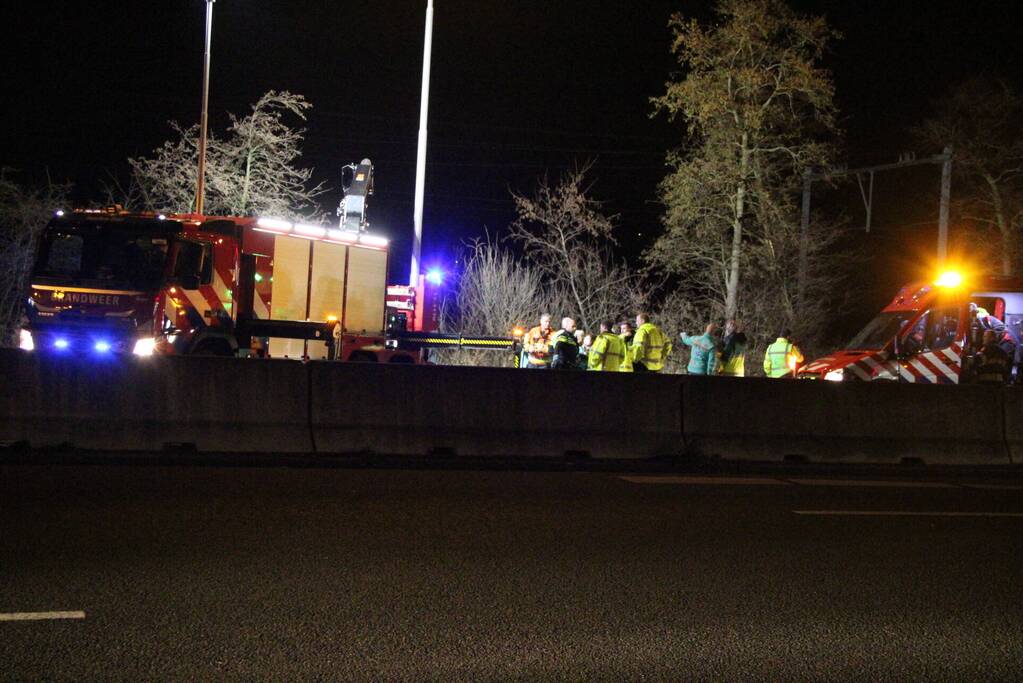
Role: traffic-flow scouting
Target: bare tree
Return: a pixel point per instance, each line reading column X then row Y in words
column 496, row 292
column 981, row 118
column 23, row 214
column 569, row 240
column 253, row 169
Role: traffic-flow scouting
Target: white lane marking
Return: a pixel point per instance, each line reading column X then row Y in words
column 40, row 616
column 874, row 482
column 756, row 481
column 902, row 513
column 995, row 487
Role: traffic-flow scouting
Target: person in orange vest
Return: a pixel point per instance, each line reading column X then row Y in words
column 536, row 345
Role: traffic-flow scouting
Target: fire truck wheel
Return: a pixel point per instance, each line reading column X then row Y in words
column 362, row 357
column 213, row 347
column 402, row 358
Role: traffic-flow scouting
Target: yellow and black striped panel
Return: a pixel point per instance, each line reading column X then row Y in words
column 455, row 341
column 488, row 342
column 439, row 341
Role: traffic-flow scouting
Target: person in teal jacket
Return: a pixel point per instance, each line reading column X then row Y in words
column 703, row 354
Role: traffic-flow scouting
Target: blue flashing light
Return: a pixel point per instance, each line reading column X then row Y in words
column 102, row 346
column 61, row 343
column 435, row 276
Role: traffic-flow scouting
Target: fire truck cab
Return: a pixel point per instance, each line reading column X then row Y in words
column 927, row 334
column 109, row 281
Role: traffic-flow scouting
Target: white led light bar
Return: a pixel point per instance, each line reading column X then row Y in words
column 309, row 230
column 341, row 236
column 373, row 240
column 275, row 224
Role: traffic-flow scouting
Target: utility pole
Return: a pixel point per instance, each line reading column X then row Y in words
column 417, row 219
column 946, row 191
column 809, row 176
column 200, row 185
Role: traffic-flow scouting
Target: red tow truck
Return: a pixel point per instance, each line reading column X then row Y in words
column 926, row 335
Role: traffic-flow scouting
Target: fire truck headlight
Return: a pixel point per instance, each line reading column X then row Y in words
column 835, row 376
column 25, row 342
column 144, row 347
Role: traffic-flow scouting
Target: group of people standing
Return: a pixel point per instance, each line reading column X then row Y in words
column 713, row 353
column 646, row 348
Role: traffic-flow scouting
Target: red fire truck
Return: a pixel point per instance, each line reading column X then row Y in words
column 927, row 334
column 112, row 281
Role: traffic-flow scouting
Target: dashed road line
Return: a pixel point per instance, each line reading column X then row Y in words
column 852, row 483
column 40, row 616
column 721, row 481
column 879, row 483
column 901, row 513
column 994, row 487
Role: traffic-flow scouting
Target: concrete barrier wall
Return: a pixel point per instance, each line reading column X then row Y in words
column 412, row 410
column 283, row 406
column 1013, row 402
column 760, row 419
column 216, row 404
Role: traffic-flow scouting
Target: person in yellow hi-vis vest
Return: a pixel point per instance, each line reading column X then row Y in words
column 626, row 335
column 650, row 348
column 607, row 351
column 733, row 351
column 782, row 358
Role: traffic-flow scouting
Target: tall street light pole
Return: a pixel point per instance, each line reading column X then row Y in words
column 417, row 239
column 200, row 185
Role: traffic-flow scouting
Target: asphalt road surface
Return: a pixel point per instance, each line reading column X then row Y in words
column 277, row 573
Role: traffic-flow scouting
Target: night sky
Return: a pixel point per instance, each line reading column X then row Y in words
column 518, row 88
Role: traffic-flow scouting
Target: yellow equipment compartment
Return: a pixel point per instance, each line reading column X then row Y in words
column 327, row 289
column 290, row 300
column 313, row 280
column 367, row 282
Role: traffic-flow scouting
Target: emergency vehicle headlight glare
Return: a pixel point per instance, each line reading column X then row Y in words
column 949, row 278
column 835, row 376
column 275, row 224
column 102, row 346
column 435, row 276
column 144, row 347
column 60, row 344
column 59, row 212
column 25, row 342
